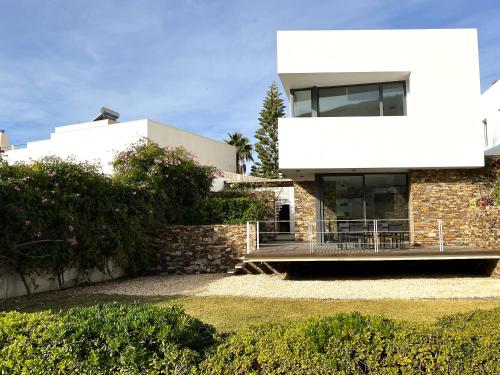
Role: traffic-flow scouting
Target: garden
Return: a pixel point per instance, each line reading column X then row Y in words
column 145, row 339
column 59, row 214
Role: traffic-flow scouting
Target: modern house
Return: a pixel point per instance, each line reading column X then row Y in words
column 490, row 114
column 99, row 141
column 384, row 139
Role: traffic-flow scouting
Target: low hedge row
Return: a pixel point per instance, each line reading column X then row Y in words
column 143, row 339
column 103, row 339
column 231, row 207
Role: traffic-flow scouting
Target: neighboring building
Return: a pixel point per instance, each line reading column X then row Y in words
column 490, row 112
column 99, row 141
column 384, row 135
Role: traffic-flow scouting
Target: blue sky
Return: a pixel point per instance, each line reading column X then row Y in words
column 203, row 66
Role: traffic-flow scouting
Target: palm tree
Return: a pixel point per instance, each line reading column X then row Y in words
column 243, row 150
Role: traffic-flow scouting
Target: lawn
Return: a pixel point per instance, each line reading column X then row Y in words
column 231, row 313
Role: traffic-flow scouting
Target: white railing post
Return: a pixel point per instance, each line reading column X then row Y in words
column 257, row 236
column 375, row 234
column 248, row 237
column 441, row 236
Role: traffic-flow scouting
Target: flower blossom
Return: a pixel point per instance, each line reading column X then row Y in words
column 72, row 241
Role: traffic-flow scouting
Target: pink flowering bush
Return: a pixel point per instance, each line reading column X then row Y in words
column 172, row 177
column 57, row 214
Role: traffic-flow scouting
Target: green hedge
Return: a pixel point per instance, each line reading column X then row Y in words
column 103, row 339
column 143, row 339
column 354, row 344
column 233, row 207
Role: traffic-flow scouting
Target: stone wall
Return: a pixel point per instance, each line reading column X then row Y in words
column 189, row 249
column 305, row 208
column 484, row 227
column 445, row 194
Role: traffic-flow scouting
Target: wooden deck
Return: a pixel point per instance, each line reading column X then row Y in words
column 301, row 252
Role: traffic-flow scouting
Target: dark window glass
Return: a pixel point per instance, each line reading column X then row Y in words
column 360, row 100
column 302, row 103
column 393, row 96
column 343, row 197
column 386, row 196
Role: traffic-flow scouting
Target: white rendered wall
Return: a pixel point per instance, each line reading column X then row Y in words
column 490, row 111
column 96, row 142
column 100, row 141
column 207, row 151
column 441, row 129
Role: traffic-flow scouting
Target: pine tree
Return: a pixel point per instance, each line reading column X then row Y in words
column 267, row 135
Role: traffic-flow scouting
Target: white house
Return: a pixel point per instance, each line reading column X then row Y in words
column 384, row 133
column 99, row 141
column 490, row 114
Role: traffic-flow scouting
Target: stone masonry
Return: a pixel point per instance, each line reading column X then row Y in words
column 445, row 194
column 191, row 249
column 484, row 227
column 305, row 208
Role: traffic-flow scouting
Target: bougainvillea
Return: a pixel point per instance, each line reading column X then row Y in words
column 58, row 214
column 173, row 177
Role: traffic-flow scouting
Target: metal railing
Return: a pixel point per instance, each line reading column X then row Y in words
column 342, row 235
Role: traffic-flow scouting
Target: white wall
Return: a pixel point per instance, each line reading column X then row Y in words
column 490, row 111
column 208, row 151
column 441, row 129
column 100, row 141
column 11, row 284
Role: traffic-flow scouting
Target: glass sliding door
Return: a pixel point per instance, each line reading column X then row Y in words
column 351, row 203
column 386, row 196
column 343, row 198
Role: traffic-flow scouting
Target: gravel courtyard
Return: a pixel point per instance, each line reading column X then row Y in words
column 274, row 286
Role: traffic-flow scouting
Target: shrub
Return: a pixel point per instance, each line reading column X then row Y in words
column 57, row 214
column 226, row 208
column 144, row 339
column 173, row 178
column 353, row 344
column 104, row 339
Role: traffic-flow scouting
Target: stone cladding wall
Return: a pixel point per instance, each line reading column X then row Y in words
column 484, row 227
column 192, row 249
column 445, row 194
column 305, row 208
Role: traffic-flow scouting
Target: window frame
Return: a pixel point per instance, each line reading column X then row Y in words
column 315, row 97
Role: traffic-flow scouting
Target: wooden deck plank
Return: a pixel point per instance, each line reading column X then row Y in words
column 294, row 252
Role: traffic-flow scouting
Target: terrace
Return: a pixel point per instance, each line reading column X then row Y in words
column 354, row 240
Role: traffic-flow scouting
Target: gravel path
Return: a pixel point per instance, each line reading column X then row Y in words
column 274, row 286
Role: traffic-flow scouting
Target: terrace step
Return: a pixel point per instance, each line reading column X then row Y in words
column 252, row 268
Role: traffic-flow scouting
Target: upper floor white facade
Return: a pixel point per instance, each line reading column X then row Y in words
column 490, row 114
column 379, row 100
column 100, row 141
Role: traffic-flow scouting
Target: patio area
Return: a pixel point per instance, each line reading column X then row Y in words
column 303, row 251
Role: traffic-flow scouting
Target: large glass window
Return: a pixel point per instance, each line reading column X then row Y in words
column 369, row 196
column 386, row 196
column 393, row 96
column 360, row 100
column 302, row 101
column 343, row 197
column 375, row 99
